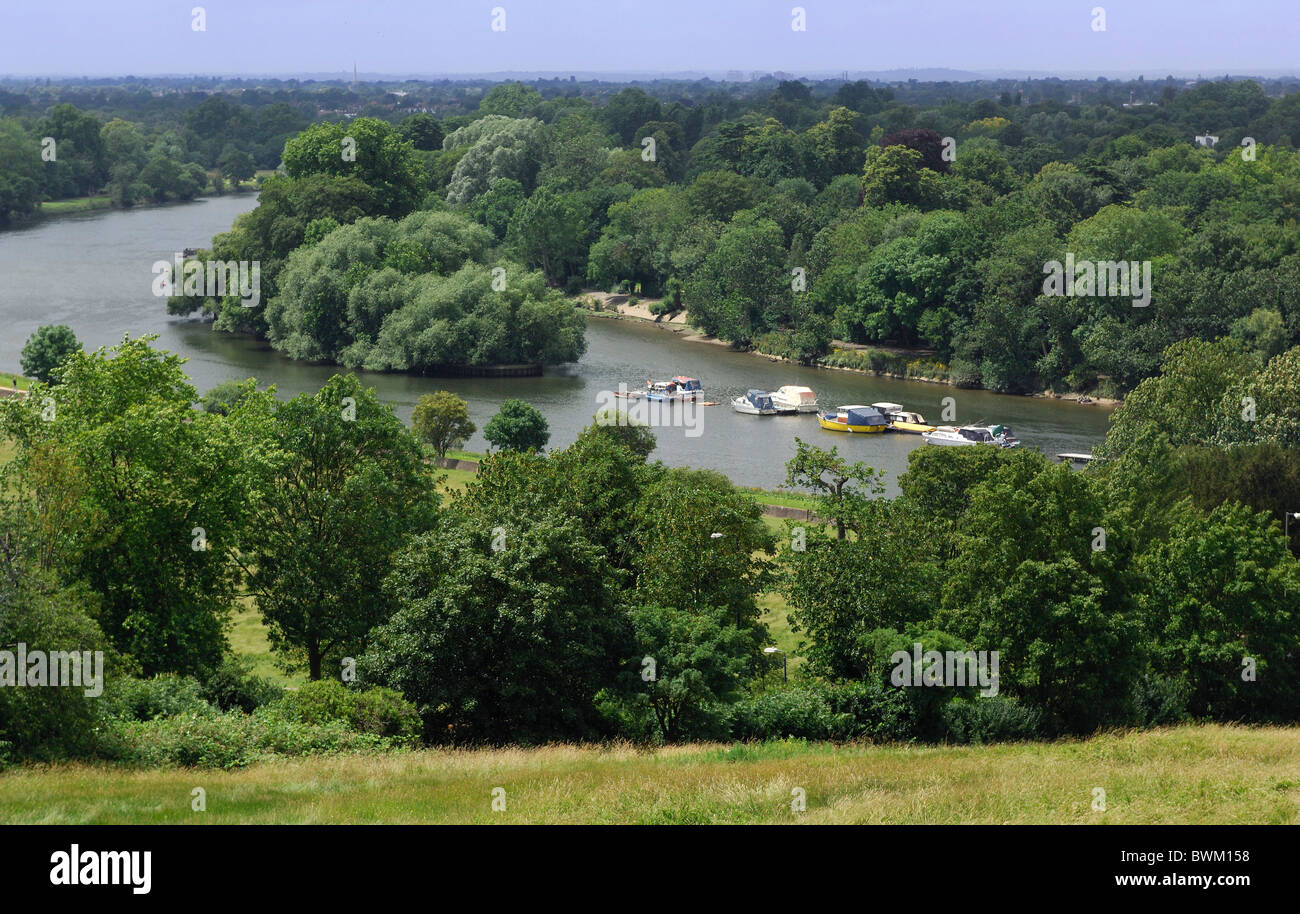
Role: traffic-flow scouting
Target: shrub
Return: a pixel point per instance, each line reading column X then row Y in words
column 233, row 687
column 1159, row 700
column 802, row 713
column 164, row 695
column 377, row 711
column 997, row 718
column 876, row 712
column 234, row 739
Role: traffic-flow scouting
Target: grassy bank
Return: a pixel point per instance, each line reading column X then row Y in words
column 74, row 205
column 1191, row 774
column 8, row 379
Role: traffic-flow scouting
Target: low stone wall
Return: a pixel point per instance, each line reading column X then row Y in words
column 451, row 463
column 12, row 392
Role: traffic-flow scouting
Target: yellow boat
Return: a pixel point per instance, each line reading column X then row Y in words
column 856, row 419
column 900, row 420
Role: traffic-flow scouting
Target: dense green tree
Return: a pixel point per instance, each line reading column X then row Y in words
column 346, row 484
column 366, row 148
column 517, row 426
column 46, row 349
column 153, row 502
column 442, row 421
column 502, row 635
column 1221, row 596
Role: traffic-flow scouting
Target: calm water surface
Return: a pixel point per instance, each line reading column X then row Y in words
column 93, row 272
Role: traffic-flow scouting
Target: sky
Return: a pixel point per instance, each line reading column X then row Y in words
column 435, row 37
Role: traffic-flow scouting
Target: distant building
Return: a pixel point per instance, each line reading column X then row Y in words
column 1207, row 141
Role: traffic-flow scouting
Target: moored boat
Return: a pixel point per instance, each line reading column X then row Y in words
column 964, row 435
column 902, row 420
column 794, row 399
column 856, row 419
column 754, row 403
column 679, row 388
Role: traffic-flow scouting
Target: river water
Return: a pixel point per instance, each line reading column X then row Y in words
column 93, row 272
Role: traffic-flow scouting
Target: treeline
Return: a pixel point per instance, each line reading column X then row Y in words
column 589, row 593
column 790, row 218
column 70, row 152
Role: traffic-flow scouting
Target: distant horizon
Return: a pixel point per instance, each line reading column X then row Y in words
column 291, row 38
column 747, row 75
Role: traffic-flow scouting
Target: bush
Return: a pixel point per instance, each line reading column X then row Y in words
column 1159, row 700
column 49, row 723
column 165, row 695
column 882, row 714
column 377, row 711
column 990, row 720
column 233, row 687
column 800, row 713
column 234, row 739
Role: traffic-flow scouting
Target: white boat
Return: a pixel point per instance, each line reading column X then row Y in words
column 754, row 403
column 963, row 435
column 794, row 399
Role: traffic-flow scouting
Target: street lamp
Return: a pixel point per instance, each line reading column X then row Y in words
column 777, row 650
column 1286, row 524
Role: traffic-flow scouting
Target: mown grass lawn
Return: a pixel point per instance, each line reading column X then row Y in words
column 1190, row 774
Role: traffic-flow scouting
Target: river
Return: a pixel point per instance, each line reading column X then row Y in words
column 93, row 272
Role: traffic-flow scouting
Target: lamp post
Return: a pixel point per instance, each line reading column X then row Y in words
column 777, row 650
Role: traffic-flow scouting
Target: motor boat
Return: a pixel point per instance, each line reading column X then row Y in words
column 963, row 435
column 902, row 420
column 794, row 399
column 754, row 403
column 855, row 419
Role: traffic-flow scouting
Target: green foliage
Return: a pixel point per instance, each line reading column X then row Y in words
column 517, row 426
column 1222, row 593
column 442, row 420
column 417, row 295
column 344, row 484
column 46, row 349
column 378, row 712
column 143, row 498
column 51, row 722
column 365, row 148
column 996, row 719
column 694, row 663
column 501, row 644
column 235, row 740
column 233, row 687
column 164, row 695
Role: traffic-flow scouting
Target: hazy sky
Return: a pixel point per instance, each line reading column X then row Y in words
column 141, row 37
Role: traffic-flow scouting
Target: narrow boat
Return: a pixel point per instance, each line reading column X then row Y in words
column 965, row 435
column 858, row 419
column 754, row 403
column 901, row 420
column 794, row 399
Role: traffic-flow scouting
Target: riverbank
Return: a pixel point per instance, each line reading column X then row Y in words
column 104, row 203
column 894, row 362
